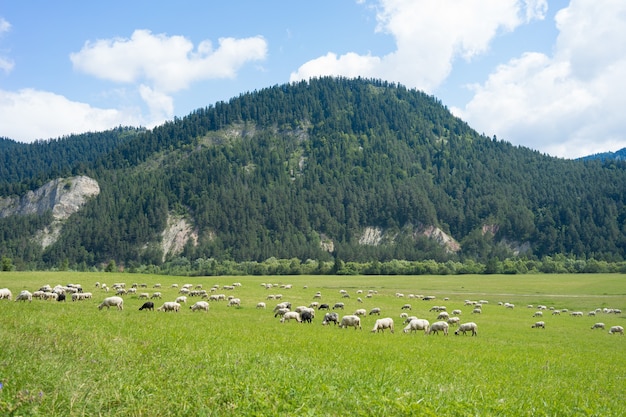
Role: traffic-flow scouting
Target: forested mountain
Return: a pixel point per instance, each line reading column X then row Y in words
column 619, row 155
column 355, row 169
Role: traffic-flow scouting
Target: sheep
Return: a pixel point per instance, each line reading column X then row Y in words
column 456, row 312
column 597, row 326
column 170, row 306
column 382, row 324
column 111, row 302
column 417, row 324
column 323, row 307
column 260, row 305
column 281, row 312
column 156, row 295
column 143, row 295
column 409, row 318
column 375, row 310
column 148, row 305
column 467, row 327
column 443, row 316
column 307, row 316
column 181, row 299
column 290, row 315
column 282, row 305
column 328, row 317
column 538, row 314
column 406, row 307
column 576, row 314
column 351, row 321
column 454, row 321
column 477, row 311
column 616, row 329
column 539, row 324
column 6, row 293
column 234, row 302
column 360, row 312
column 24, row 295
column 339, row 305
column 200, row 305
column 438, row 326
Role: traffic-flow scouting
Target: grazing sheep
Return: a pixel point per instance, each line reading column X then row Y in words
column 538, row 314
column 112, row 302
column 406, row 307
column 328, row 317
column 156, row 295
column 143, row 295
column 148, row 305
column 454, row 321
column 375, row 310
column 477, row 310
column 382, row 324
column 307, row 316
column 576, row 314
column 234, row 302
column 281, row 312
column 417, row 324
column 456, row 312
column 181, row 299
column 200, row 305
column 467, row 327
column 290, row 315
column 5, row 293
column 409, row 318
column 616, row 329
column 556, row 313
column 539, row 324
column 24, row 295
column 597, row 326
column 61, row 297
column 360, row 312
column 438, row 326
column 443, row 316
column 324, row 307
column 260, row 305
column 339, row 305
column 170, row 306
column 351, row 321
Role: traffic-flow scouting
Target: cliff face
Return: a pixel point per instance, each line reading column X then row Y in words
column 62, row 196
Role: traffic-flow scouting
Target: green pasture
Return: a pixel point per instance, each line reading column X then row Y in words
column 71, row 359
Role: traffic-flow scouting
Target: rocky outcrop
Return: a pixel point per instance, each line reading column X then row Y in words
column 176, row 235
column 63, row 197
column 376, row 236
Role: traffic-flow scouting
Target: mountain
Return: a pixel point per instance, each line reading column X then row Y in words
column 351, row 169
column 607, row 156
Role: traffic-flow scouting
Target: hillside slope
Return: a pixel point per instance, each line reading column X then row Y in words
column 365, row 169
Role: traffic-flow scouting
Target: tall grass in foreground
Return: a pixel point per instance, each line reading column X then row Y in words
column 70, row 359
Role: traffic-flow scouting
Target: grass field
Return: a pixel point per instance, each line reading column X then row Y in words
column 71, row 359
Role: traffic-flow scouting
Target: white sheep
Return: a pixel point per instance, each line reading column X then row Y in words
column 200, row 305
column 156, row 295
column 438, row 326
column 260, row 305
column 281, row 312
column 350, row 321
column 597, row 326
column 616, row 329
column 181, row 299
column 24, row 295
column 290, row 315
column 576, row 314
column 170, row 306
column 417, row 324
column 538, row 314
column 538, row 325
column 456, row 312
column 406, row 307
column 454, row 321
column 467, row 327
column 382, row 324
column 360, row 312
column 375, row 310
column 443, row 316
column 112, row 302
column 339, row 305
column 234, row 302
column 5, row 293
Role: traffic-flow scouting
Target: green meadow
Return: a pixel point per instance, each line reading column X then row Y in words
column 72, row 359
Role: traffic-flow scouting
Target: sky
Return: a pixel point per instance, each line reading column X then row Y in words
column 543, row 74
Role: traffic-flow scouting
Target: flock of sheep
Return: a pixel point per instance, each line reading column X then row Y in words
column 303, row 313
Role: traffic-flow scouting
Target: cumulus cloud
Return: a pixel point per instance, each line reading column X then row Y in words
column 429, row 35
column 165, row 64
column 568, row 104
column 29, row 114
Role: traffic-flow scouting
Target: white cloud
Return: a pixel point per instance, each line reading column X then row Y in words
column 27, row 115
column 569, row 104
column 6, row 64
column 429, row 35
column 165, row 64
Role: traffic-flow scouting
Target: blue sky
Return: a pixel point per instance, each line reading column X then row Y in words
column 538, row 73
